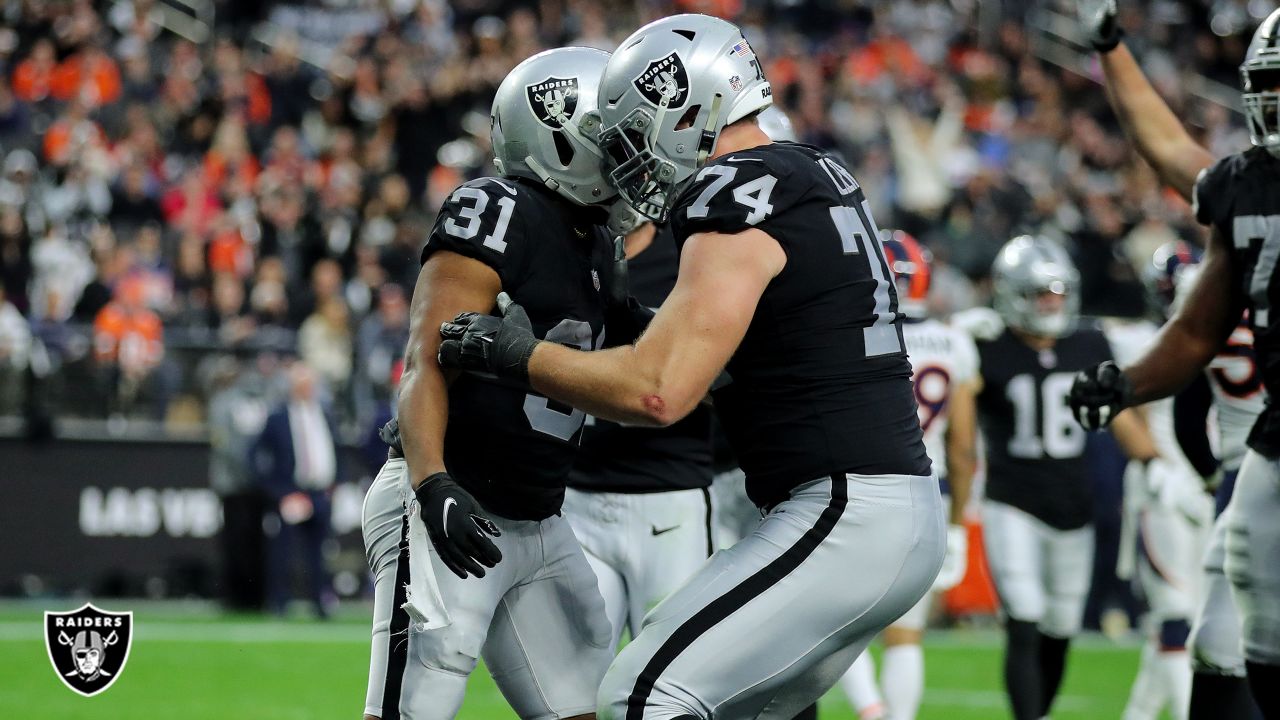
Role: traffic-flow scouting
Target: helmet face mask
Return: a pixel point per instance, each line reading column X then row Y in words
column 665, row 97
column 1260, row 79
column 643, row 178
column 1036, row 287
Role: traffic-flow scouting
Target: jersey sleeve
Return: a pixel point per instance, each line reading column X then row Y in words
column 482, row 220
column 737, row 193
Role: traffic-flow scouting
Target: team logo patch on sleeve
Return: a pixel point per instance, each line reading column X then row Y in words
column 553, row 100
column 665, row 81
column 88, row 647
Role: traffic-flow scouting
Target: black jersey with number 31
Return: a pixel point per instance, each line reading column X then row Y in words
column 821, row 383
column 1035, row 447
column 510, row 448
column 1240, row 198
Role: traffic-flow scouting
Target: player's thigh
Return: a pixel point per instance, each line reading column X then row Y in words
column 915, row 619
column 1011, row 538
column 1253, row 556
column 613, row 590
column 1068, row 572
column 1215, row 642
column 549, row 643
column 388, row 654
column 382, row 515
column 676, row 544
column 761, row 616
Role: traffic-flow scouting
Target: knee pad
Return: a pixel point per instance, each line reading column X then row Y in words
column 1174, row 634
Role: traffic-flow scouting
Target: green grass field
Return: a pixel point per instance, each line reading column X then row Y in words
column 191, row 662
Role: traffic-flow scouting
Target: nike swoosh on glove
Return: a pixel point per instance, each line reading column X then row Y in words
column 457, row 526
column 1099, row 394
column 956, row 562
column 484, row 343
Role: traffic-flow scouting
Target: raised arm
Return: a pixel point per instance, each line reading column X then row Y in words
column 1150, row 125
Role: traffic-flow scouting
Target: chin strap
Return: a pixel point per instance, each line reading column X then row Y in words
column 541, row 171
column 708, row 141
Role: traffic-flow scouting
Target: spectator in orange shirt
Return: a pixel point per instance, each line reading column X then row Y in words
column 128, row 344
column 34, row 75
column 90, row 75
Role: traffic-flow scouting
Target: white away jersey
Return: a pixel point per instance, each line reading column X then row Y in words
column 1238, row 395
column 941, row 357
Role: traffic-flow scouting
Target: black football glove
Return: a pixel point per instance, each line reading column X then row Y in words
column 1099, row 394
column 457, row 527
column 1100, row 25
column 484, row 343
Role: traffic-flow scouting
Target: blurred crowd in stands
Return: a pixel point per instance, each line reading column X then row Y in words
column 166, row 205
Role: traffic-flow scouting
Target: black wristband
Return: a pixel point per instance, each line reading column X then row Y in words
column 1111, row 43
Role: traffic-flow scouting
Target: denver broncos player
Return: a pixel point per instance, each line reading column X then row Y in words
column 1235, row 197
column 782, row 283
column 462, row 527
column 1167, row 516
column 944, row 365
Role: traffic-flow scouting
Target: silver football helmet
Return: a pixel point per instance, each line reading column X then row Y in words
column 1260, row 77
column 665, row 96
column 1027, row 268
column 534, row 123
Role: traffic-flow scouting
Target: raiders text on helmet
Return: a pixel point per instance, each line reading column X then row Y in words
column 1028, row 267
column 1260, row 76
column 535, row 119
column 665, row 96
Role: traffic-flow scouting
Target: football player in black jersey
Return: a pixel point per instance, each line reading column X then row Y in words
column 1239, row 199
column 1038, row 508
column 476, row 474
column 783, row 279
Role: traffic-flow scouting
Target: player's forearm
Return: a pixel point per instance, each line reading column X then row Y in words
column 1131, row 433
column 423, row 411
column 1147, row 120
column 1179, row 353
column 611, row 384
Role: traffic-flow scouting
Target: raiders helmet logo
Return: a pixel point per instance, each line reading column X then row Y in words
column 88, row 647
column 664, row 82
column 553, row 100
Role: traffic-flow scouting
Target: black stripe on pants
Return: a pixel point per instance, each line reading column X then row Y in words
column 706, row 497
column 398, row 633
column 729, row 603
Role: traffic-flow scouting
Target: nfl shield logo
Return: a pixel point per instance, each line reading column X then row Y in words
column 88, row 647
column 664, row 82
column 553, row 100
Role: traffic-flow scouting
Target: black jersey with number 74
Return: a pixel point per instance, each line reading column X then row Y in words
column 821, row 383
